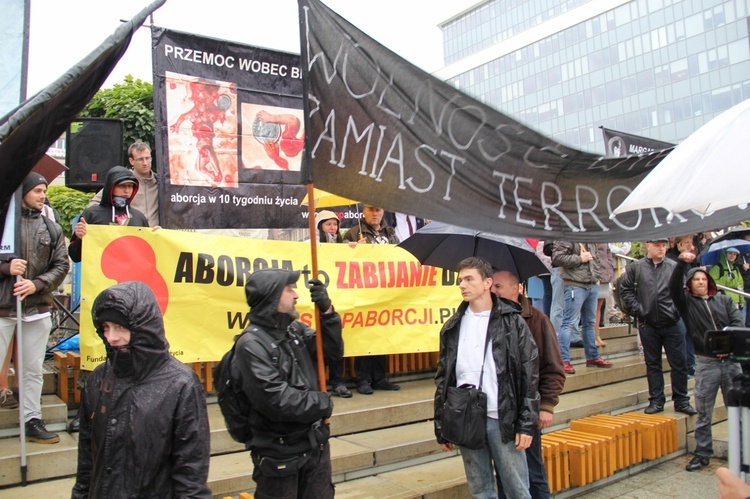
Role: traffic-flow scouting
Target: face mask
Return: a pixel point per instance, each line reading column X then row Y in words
column 119, row 202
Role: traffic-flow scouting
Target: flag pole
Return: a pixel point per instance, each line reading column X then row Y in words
column 20, row 381
column 307, row 178
column 314, row 258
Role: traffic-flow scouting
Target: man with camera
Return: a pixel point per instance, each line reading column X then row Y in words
column 704, row 309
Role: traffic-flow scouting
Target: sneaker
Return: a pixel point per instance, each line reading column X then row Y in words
column 364, row 388
column 36, row 432
column 686, row 409
column 653, row 408
column 384, row 384
column 568, row 368
column 7, row 399
column 598, row 362
column 342, row 392
column 697, row 463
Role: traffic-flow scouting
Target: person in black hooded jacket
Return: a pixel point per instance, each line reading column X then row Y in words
column 274, row 365
column 120, row 187
column 144, row 426
column 704, row 309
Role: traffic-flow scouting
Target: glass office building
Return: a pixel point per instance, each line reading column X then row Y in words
column 656, row 68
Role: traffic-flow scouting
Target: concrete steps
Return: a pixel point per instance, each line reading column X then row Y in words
column 382, row 445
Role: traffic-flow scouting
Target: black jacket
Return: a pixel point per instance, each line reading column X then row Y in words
column 144, row 426
column 653, row 304
column 702, row 314
column 517, row 364
column 279, row 377
column 106, row 213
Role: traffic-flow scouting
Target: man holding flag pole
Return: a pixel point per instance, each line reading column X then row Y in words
column 26, row 285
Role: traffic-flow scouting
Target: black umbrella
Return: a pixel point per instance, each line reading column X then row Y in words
column 736, row 233
column 443, row 245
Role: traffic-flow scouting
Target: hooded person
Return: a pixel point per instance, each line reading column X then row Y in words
column 704, row 309
column 144, row 427
column 120, row 187
column 328, row 227
column 274, row 365
column 39, row 268
column 728, row 272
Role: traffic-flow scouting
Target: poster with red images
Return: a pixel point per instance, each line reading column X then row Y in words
column 229, row 134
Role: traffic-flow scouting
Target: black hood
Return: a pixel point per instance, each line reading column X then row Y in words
column 712, row 289
column 115, row 175
column 149, row 347
column 263, row 291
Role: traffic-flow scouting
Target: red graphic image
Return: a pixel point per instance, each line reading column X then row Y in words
column 273, row 137
column 130, row 258
column 207, row 154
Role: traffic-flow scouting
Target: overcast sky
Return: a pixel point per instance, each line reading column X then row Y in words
column 62, row 32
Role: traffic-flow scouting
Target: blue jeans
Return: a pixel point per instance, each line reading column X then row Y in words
column 538, row 485
column 580, row 306
column 509, row 464
column 557, row 306
column 710, row 375
column 545, row 302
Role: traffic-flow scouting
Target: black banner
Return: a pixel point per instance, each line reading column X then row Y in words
column 30, row 129
column 230, row 134
column 382, row 131
column 619, row 144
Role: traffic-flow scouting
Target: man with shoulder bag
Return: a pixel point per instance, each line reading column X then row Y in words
column 486, row 346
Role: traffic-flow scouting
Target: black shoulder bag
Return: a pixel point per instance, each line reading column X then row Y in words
column 465, row 412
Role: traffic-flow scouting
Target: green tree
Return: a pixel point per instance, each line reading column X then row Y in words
column 131, row 101
column 69, row 203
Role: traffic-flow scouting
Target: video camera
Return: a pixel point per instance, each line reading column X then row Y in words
column 731, row 341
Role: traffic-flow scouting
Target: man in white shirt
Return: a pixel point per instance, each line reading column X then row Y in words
column 487, row 337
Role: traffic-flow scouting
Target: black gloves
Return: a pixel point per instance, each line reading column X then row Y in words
column 319, row 295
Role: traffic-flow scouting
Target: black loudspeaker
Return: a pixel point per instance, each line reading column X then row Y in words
column 92, row 147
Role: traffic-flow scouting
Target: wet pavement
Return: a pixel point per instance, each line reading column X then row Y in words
column 669, row 479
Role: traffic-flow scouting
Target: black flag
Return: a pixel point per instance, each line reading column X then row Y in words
column 31, row 128
column 383, row 131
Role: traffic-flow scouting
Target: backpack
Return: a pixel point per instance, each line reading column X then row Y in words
column 617, row 289
column 234, row 404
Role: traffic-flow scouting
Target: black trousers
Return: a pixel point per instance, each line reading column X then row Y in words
column 312, row 480
column 672, row 339
column 371, row 368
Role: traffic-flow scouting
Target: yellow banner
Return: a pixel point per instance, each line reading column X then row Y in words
column 388, row 301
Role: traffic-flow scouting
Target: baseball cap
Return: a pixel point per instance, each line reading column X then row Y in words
column 658, row 240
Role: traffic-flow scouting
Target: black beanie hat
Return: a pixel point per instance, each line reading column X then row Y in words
column 32, row 180
column 114, row 316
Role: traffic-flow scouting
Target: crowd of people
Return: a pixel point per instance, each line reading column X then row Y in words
column 516, row 349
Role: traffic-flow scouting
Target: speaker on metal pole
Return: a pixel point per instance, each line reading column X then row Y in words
column 92, row 147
